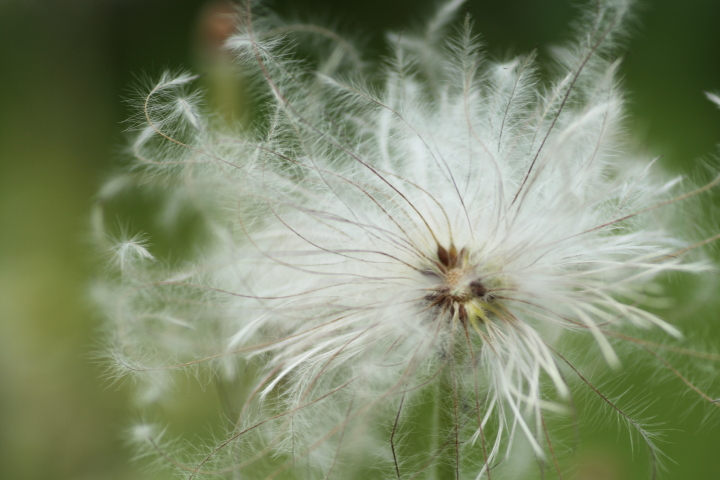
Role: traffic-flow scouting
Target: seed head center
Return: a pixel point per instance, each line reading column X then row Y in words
column 459, row 291
column 453, row 277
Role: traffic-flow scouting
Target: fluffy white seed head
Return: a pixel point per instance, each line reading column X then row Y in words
column 387, row 250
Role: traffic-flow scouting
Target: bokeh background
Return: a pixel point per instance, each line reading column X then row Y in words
column 66, row 65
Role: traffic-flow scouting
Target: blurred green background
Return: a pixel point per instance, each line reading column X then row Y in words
column 67, row 64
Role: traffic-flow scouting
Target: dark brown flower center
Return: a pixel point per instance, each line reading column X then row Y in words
column 456, row 284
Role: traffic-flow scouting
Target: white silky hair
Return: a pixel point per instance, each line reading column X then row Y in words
column 335, row 223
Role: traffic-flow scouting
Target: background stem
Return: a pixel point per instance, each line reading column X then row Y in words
column 446, row 466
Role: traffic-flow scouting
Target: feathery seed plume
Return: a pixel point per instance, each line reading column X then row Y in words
column 393, row 260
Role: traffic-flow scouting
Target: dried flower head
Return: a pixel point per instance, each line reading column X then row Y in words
column 394, row 260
